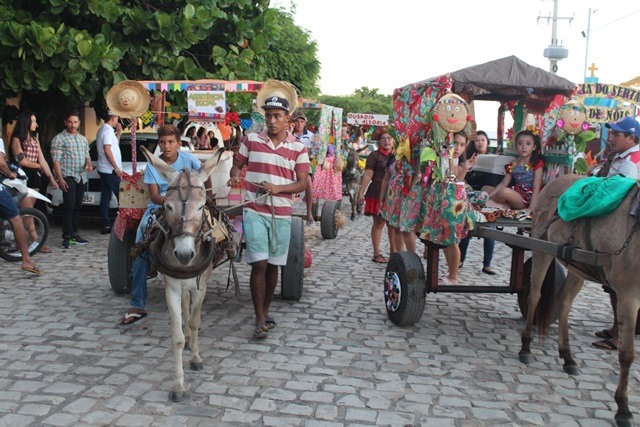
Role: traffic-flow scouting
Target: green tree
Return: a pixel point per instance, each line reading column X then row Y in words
column 62, row 53
column 363, row 100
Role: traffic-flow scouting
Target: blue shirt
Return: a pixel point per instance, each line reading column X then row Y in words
column 185, row 161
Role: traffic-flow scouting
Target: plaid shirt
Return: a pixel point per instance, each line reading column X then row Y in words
column 71, row 151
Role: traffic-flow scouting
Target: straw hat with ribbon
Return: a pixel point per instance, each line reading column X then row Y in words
column 128, row 99
column 277, row 94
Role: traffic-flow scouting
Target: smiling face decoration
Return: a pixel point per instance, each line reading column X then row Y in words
column 451, row 113
column 572, row 118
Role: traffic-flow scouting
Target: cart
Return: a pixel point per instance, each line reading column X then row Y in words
column 521, row 89
column 119, row 261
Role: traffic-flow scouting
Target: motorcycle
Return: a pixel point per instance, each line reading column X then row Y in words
column 18, row 189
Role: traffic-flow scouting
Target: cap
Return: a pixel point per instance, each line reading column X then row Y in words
column 299, row 115
column 276, row 102
column 627, row 125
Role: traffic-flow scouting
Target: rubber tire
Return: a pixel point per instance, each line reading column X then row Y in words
column 523, row 295
column 44, row 226
column 293, row 272
column 119, row 262
column 413, row 288
column 328, row 227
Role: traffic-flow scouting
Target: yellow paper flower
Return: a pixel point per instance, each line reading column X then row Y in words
column 404, row 149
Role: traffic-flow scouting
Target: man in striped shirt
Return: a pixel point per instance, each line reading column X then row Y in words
column 71, row 162
column 277, row 167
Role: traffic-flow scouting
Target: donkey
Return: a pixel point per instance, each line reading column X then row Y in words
column 613, row 236
column 185, row 256
column 351, row 177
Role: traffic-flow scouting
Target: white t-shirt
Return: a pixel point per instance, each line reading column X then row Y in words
column 107, row 136
column 2, row 147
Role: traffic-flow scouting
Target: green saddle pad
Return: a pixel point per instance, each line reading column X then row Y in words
column 594, row 197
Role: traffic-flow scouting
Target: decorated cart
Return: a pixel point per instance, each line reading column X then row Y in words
column 206, row 104
column 532, row 96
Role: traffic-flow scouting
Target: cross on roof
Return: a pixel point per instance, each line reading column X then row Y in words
column 593, row 69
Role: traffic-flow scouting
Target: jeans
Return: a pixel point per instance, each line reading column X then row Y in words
column 71, row 205
column 110, row 184
column 139, row 281
column 487, row 246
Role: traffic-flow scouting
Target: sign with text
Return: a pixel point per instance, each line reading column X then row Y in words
column 206, row 102
column 368, row 119
column 607, row 102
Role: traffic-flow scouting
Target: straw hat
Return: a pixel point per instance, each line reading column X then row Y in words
column 277, row 94
column 128, row 99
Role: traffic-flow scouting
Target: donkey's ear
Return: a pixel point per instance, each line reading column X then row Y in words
column 163, row 169
column 219, row 156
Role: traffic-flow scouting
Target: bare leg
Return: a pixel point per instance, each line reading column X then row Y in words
column 21, row 239
column 308, row 194
column 376, row 234
column 452, row 255
column 409, row 239
column 258, row 285
column 271, row 279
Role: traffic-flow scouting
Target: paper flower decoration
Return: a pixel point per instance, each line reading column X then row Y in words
column 404, row 149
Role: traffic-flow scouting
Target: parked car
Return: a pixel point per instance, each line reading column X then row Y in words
column 91, row 202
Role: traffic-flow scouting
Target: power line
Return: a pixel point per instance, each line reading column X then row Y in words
column 613, row 22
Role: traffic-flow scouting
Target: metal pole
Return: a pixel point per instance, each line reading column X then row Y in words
column 586, row 52
column 554, row 26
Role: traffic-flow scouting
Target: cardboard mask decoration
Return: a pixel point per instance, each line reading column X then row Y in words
column 451, row 113
column 573, row 118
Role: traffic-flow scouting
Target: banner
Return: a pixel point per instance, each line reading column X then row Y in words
column 368, row 119
column 607, row 102
column 206, row 102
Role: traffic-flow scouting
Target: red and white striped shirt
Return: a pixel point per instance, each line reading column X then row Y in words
column 279, row 166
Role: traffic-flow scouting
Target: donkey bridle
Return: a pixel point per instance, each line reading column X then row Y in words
column 184, row 198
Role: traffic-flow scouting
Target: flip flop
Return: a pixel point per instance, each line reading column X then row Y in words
column 606, row 344
column 35, row 270
column 132, row 317
column 270, row 323
column 261, row 332
column 379, row 259
column 45, row 249
column 604, row 334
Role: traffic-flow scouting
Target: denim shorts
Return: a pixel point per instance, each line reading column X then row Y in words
column 266, row 237
column 8, row 209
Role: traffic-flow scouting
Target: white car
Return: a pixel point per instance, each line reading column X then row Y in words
column 92, row 191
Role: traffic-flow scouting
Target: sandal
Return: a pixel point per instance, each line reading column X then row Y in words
column 33, row 270
column 270, row 323
column 379, row 259
column 133, row 316
column 45, row 249
column 606, row 344
column 261, row 332
column 605, row 333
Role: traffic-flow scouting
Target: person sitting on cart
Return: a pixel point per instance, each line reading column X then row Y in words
column 169, row 142
column 277, row 167
column 9, row 211
column 623, row 139
column 304, row 135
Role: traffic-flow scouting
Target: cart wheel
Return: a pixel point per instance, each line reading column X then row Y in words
column 119, row 262
column 292, row 273
column 555, row 275
column 328, row 227
column 405, row 288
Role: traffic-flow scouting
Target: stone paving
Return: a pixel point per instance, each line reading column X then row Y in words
column 334, row 359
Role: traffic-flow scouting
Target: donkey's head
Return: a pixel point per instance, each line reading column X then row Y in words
column 351, row 171
column 184, row 203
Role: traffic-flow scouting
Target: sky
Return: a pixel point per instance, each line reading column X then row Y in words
column 388, row 44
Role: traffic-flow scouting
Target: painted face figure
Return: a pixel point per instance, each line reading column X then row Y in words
column 451, row 113
column 572, row 117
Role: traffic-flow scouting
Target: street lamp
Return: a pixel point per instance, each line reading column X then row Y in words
column 586, row 35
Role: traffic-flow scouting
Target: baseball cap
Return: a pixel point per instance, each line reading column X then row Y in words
column 276, row 102
column 299, row 115
column 627, row 125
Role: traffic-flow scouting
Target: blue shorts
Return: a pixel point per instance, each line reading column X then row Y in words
column 8, row 209
column 263, row 241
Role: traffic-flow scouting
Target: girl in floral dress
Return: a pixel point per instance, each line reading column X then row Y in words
column 327, row 182
column 447, row 220
column 526, row 173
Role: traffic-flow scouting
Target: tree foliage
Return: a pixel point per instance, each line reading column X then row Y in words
column 363, row 100
column 62, row 53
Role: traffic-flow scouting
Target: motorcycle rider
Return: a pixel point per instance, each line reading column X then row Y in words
column 9, row 211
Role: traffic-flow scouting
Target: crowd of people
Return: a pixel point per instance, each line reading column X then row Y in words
column 281, row 161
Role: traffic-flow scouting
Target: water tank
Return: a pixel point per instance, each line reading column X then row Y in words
column 556, row 52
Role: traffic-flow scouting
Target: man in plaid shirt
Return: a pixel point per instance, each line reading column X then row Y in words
column 71, row 162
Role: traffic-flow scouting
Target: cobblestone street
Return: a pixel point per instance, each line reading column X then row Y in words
column 334, row 358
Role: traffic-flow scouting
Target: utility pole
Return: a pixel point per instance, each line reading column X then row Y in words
column 555, row 52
